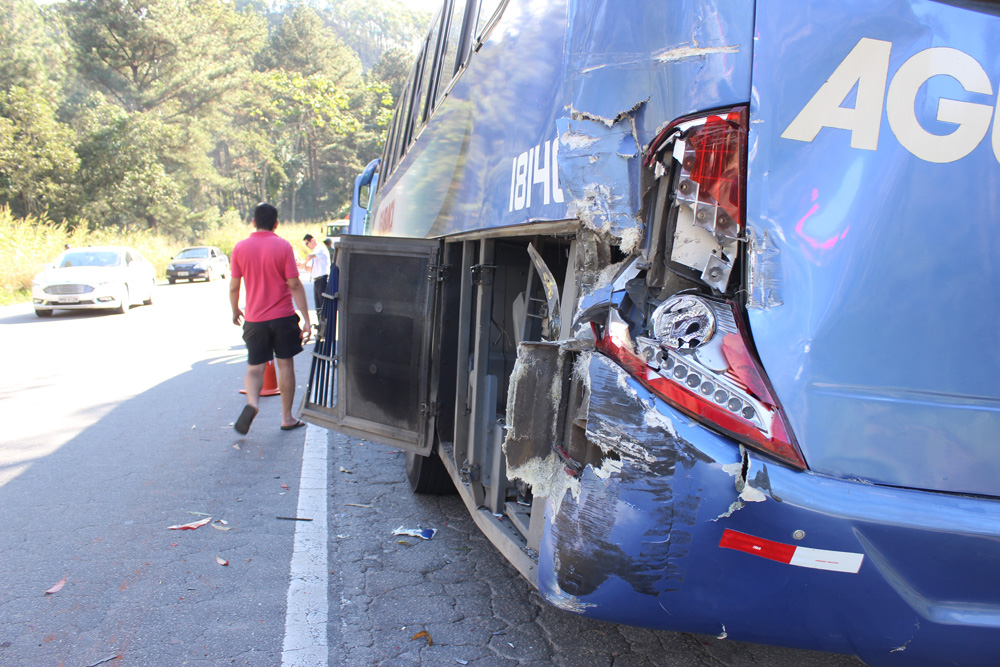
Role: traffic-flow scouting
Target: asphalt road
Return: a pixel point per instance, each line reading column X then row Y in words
column 116, row 427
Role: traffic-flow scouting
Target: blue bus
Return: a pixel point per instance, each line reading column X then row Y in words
column 693, row 303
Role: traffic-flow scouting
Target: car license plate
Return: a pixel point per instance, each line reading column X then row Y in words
column 68, row 299
column 182, row 273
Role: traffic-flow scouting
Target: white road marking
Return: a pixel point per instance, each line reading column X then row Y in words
column 308, row 610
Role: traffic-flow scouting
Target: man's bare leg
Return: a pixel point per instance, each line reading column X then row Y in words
column 253, row 382
column 286, row 385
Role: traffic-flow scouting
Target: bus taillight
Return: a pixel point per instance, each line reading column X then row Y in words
column 700, row 363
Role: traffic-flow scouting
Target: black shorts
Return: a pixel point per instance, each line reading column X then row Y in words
column 278, row 338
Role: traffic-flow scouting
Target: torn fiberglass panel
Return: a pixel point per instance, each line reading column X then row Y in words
column 597, row 176
column 643, row 545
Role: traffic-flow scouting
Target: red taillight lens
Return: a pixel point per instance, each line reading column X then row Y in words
column 735, row 401
column 715, row 161
column 699, row 356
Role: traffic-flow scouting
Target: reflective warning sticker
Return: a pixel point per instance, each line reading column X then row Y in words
column 818, row 559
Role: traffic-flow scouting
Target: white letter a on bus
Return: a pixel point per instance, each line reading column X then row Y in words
column 867, row 66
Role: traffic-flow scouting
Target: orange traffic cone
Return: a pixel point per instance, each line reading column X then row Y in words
column 270, row 382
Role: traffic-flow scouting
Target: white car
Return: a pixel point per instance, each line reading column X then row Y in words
column 95, row 277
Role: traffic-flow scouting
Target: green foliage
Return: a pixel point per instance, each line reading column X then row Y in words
column 37, row 160
column 123, row 177
column 303, row 44
column 179, row 57
column 161, row 114
column 32, row 55
column 371, row 27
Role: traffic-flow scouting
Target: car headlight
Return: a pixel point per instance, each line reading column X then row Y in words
column 171, row 267
column 201, row 266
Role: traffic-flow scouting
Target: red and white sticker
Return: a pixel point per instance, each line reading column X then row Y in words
column 818, row 559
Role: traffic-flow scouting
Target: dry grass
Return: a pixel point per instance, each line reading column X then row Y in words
column 27, row 244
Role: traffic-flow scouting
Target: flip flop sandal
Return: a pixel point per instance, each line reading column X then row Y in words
column 242, row 424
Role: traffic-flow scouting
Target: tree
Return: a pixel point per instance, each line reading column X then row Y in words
column 37, row 160
column 371, row 27
column 392, row 69
column 181, row 58
column 301, row 43
column 123, row 179
column 31, row 53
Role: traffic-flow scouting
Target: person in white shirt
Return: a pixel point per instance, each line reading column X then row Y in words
column 318, row 264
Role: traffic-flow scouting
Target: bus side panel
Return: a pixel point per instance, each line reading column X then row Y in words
column 548, row 121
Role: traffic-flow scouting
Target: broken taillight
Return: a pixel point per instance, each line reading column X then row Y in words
column 705, row 158
column 698, row 354
column 717, row 381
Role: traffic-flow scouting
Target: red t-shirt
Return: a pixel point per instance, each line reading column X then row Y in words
column 265, row 261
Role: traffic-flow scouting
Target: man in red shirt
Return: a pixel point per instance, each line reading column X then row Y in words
column 266, row 264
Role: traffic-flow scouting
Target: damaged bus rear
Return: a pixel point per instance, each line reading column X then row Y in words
column 690, row 301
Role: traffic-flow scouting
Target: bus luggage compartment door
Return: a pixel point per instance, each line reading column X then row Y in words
column 386, row 300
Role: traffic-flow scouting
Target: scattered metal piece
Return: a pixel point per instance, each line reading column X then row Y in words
column 101, row 662
column 291, row 518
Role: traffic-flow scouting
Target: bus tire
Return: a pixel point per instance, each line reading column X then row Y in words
column 427, row 475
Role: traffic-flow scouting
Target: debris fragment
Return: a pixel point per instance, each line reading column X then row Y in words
column 423, row 634
column 422, row 533
column 291, row 518
column 57, row 587
column 221, row 524
column 461, row 662
column 236, row 445
column 357, row 505
column 404, row 543
column 343, row 469
column 221, row 561
column 723, row 634
column 191, row 526
column 284, row 486
column 101, row 662
column 199, row 513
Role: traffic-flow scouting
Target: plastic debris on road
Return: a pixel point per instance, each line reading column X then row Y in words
column 422, row 533
column 191, row 526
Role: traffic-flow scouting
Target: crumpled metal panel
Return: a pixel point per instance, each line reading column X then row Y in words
column 672, row 530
